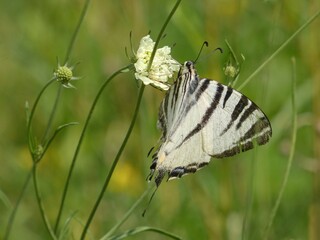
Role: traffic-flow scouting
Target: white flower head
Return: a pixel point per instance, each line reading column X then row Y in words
column 162, row 68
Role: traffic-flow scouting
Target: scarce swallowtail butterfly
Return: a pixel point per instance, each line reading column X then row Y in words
column 202, row 119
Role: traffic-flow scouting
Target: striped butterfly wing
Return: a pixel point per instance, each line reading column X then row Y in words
column 200, row 119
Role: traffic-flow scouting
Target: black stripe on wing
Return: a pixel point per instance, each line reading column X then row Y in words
column 182, row 98
column 176, row 91
column 259, row 133
column 256, row 128
column 246, row 114
column 169, row 104
column 208, row 113
column 243, row 102
column 226, row 97
column 178, row 172
column 202, row 88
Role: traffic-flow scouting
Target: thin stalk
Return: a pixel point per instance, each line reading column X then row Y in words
column 250, row 198
column 75, row 33
column 36, row 158
column 70, row 48
column 161, row 32
column 31, row 149
column 238, row 65
column 35, row 181
column 50, row 140
column 14, row 211
column 30, row 136
column 278, row 50
column 31, row 139
column 75, row 156
column 292, row 151
column 130, row 128
column 128, row 213
column 314, row 205
column 114, row 164
column 53, row 111
column 38, row 195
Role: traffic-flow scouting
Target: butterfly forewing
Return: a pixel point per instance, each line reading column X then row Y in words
column 200, row 119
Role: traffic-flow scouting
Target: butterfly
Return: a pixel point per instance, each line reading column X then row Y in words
column 202, row 119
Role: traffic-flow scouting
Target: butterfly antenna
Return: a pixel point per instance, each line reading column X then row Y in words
column 218, row 48
column 145, row 210
column 205, row 43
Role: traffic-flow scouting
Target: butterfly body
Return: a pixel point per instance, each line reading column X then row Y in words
column 201, row 119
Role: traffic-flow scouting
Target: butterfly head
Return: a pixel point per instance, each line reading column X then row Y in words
column 188, row 74
column 189, row 66
column 187, row 69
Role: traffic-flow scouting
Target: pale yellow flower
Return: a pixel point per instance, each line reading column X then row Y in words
column 162, row 68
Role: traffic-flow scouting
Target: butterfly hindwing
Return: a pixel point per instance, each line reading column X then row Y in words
column 236, row 123
column 200, row 119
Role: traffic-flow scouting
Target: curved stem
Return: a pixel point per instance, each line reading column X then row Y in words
column 134, row 231
column 75, row 156
column 31, row 140
column 30, row 137
column 31, row 150
column 50, row 140
column 36, row 158
column 114, row 164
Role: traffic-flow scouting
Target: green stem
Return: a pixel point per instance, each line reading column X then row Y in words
column 14, row 211
column 31, row 145
column 75, row 33
column 114, row 164
column 292, row 150
column 66, row 187
column 238, row 67
column 38, row 195
column 161, row 33
column 29, row 134
column 126, row 216
column 36, row 158
column 50, row 140
column 278, row 50
column 250, row 195
column 31, row 139
column 73, row 38
column 53, row 111
column 130, row 128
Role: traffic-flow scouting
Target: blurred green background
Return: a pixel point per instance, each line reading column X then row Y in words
column 213, row 203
